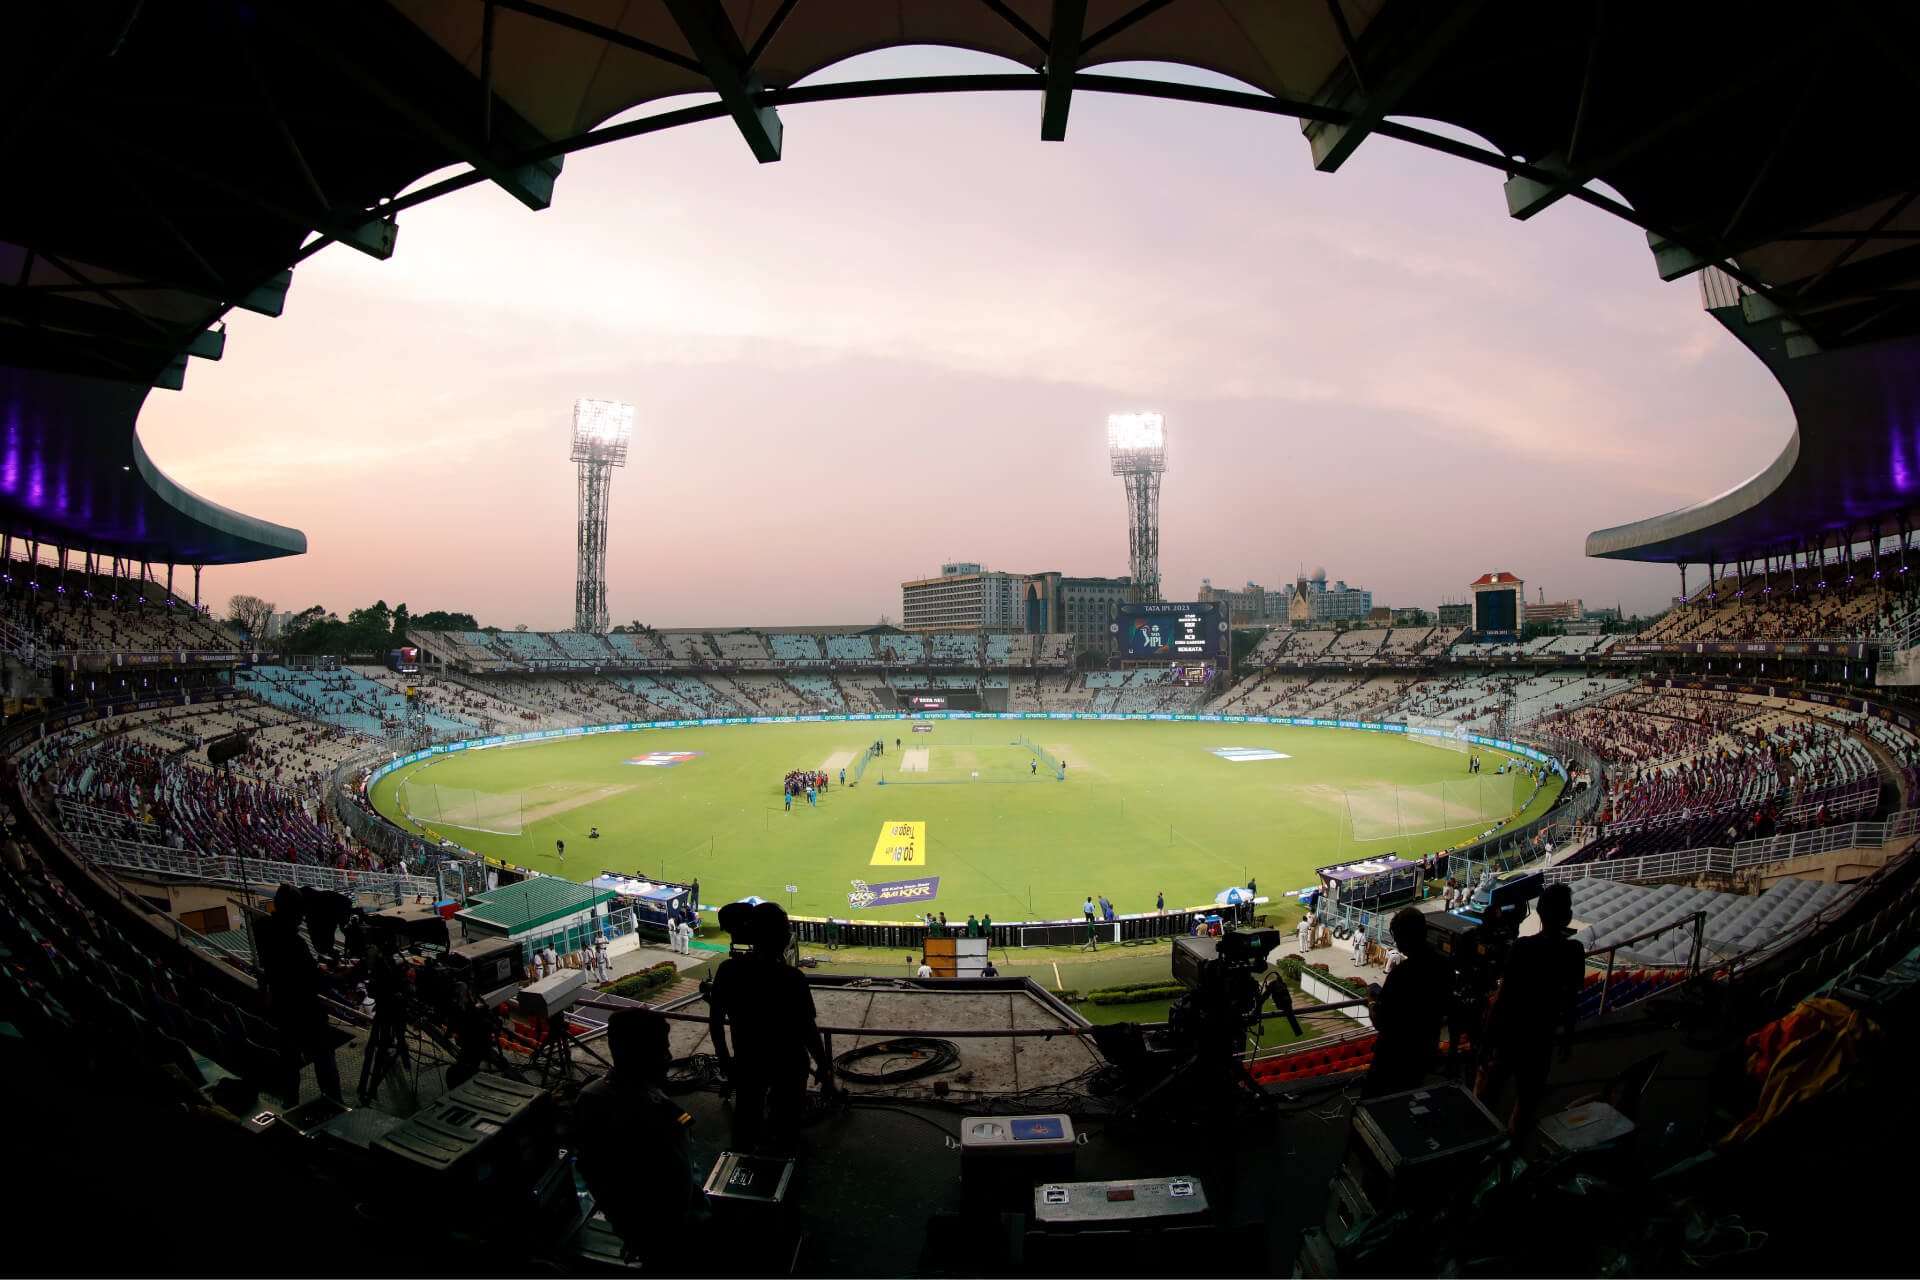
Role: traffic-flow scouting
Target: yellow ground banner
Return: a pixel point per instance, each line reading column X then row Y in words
column 901, row 844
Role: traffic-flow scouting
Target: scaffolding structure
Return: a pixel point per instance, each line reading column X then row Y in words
column 1137, row 447
column 602, row 430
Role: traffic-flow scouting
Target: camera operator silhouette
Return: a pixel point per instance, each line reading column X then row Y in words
column 769, row 1008
column 1408, row 1011
column 294, row 983
column 1536, row 1004
column 635, row 1149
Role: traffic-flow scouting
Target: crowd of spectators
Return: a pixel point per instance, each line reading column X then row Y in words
column 170, row 800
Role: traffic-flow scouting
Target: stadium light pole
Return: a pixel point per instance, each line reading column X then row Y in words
column 602, row 430
column 1137, row 448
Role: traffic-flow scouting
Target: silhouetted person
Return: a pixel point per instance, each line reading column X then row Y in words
column 294, row 983
column 1409, row 1011
column 325, row 912
column 1536, row 1004
column 634, row 1145
column 768, row 1007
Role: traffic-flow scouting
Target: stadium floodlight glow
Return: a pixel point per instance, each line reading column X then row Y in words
column 1131, row 433
column 1137, row 448
column 602, row 430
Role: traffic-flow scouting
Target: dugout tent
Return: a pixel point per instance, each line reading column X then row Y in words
column 1367, row 883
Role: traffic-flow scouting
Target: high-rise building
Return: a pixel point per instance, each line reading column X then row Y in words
column 1310, row 599
column 964, row 597
column 1556, row 610
column 1249, row 607
column 1056, row 603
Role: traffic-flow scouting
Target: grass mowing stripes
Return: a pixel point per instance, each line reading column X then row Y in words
column 1147, row 807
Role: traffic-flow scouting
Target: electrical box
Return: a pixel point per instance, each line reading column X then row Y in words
column 1002, row 1158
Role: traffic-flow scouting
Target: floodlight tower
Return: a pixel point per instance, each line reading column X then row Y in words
column 601, row 431
column 1137, row 445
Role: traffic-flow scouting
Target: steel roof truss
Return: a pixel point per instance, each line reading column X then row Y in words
column 1396, row 59
column 723, row 60
column 531, row 185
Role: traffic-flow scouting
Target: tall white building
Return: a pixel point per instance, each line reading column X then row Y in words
column 964, row 597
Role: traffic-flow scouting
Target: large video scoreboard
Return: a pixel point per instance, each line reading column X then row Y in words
column 1170, row 632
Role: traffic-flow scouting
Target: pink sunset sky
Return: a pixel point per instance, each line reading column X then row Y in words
column 898, row 346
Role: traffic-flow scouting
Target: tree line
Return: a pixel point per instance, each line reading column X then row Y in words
column 373, row 629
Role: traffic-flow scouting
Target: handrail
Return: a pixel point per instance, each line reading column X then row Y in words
column 1748, row 853
column 131, row 855
column 1698, row 919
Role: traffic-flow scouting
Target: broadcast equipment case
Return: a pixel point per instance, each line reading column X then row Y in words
column 1408, row 1147
column 1122, row 1203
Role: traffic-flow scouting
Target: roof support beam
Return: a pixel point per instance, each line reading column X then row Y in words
column 1528, row 195
column 531, row 185
column 1018, row 23
column 1396, row 62
column 372, row 234
column 114, row 324
column 598, row 31
column 723, row 60
column 1146, row 9
column 1063, row 51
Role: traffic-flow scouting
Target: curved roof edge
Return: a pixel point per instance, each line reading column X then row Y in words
column 268, row 540
column 1673, row 535
column 1851, row 468
column 73, row 473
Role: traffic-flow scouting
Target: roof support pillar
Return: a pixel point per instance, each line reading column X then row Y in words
column 710, row 34
column 1063, row 52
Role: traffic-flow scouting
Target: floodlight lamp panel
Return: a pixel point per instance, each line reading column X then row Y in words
column 601, row 431
column 1137, row 442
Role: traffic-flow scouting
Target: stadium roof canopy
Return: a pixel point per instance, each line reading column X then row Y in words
column 173, row 162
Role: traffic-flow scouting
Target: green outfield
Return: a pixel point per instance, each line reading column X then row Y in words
column 1182, row 808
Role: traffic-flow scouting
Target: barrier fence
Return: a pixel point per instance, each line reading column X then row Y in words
column 1748, row 853
column 131, row 855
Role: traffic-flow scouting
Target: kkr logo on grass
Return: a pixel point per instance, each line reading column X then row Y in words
column 665, row 759
column 866, row 895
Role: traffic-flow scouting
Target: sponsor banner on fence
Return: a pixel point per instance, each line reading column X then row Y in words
column 892, row 892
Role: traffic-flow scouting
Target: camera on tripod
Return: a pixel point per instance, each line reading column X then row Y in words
column 1223, row 996
column 1476, row 940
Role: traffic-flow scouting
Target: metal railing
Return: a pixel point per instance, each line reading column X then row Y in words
column 1748, row 853
column 1696, row 921
column 131, row 855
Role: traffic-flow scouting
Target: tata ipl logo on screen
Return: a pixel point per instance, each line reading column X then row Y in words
column 1146, row 637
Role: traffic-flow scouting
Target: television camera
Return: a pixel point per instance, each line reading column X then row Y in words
column 1207, row 1028
column 420, row 980
column 1476, row 941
